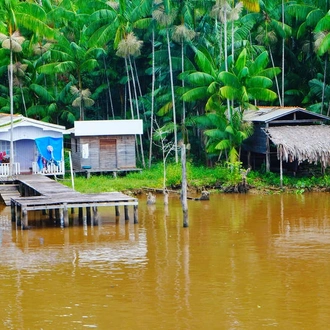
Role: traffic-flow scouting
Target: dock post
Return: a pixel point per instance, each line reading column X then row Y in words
column 135, row 212
column 61, row 216
column 57, row 216
column 95, row 216
column 18, row 215
column 126, row 213
column 88, row 215
column 13, row 211
column 65, row 215
column 50, row 213
column 25, row 222
column 80, row 215
column 117, row 211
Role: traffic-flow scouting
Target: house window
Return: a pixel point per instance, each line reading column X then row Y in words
column 5, row 148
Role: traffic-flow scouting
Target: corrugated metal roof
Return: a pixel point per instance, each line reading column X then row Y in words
column 19, row 120
column 267, row 114
column 108, row 127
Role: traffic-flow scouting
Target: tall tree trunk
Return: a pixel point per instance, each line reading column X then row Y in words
column 137, row 109
column 109, row 90
column 183, row 102
column 152, row 97
column 276, row 80
column 173, row 96
column 11, row 96
column 283, row 57
column 324, row 80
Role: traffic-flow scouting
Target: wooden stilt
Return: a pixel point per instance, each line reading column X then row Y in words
column 25, row 222
column 117, row 211
column 80, row 215
column 95, row 216
column 135, row 212
column 57, row 216
column 13, row 211
column 88, row 215
column 65, row 215
column 126, row 213
column 18, row 216
column 61, row 216
column 281, row 167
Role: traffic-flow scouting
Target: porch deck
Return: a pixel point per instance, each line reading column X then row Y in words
column 40, row 193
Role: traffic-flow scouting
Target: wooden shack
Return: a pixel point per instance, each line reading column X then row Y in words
column 104, row 145
column 30, row 141
column 275, row 129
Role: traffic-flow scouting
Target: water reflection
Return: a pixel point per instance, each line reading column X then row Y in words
column 245, row 262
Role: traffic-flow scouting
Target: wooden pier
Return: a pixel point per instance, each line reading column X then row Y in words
column 39, row 192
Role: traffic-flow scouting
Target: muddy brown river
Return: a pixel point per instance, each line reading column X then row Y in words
column 244, row 262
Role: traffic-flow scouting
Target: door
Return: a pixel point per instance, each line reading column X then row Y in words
column 108, row 154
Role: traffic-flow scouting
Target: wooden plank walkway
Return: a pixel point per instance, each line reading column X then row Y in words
column 39, row 192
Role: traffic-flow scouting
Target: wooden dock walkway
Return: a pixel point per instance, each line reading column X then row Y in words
column 40, row 193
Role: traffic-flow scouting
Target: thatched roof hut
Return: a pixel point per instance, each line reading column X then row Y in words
column 299, row 133
column 301, row 143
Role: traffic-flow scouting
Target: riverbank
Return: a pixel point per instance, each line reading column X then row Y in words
column 224, row 179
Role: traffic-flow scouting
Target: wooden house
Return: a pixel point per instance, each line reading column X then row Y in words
column 104, row 145
column 290, row 135
column 37, row 146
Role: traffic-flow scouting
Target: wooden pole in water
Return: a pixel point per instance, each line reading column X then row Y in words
column 184, row 186
column 80, row 215
column 95, row 216
column 135, row 211
column 65, row 215
column 25, row 222
column 117, row 211
column 88, row 215
column 126, row 212
column 13, row 211
column 18, row 215
column 281, row 167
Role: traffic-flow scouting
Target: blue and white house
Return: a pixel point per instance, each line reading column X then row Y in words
column 37, row 146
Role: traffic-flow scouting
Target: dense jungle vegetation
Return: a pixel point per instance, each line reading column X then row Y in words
column 188, row 68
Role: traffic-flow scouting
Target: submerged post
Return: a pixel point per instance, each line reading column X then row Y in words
column 95, row 216
column 126, row 212
column 25, row 222
column 88, row 215
column 281, row 166
column 184, row 186
column 117, row 211
column 135, row 214
column 65, row 215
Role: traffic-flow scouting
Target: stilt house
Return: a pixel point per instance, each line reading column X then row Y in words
column 37, row 146
column 286, row 137
column 104, row 145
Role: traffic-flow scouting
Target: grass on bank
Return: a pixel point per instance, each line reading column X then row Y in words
column 217, row 178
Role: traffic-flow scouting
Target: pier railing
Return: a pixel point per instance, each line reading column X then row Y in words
column 50, row 169
column 5, row 169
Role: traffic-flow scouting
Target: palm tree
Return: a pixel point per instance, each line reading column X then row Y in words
column 14, row 15
column 165, row 15
column 128, row 47
column 82, row 100
column 249, row 80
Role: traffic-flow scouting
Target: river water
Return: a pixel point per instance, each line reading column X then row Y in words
column 244, row 262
